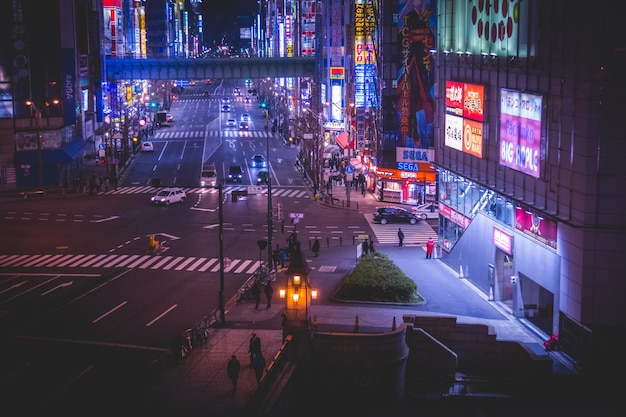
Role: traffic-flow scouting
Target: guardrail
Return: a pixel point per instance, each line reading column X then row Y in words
column 197, row 335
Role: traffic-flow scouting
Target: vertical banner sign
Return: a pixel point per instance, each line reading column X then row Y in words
column 415, row 105
column 520, row 131
column 69, row 86
column 464, row 117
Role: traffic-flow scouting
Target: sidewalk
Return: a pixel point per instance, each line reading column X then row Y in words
column 201, row 386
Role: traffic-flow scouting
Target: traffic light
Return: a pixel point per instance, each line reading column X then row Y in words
column 135, row 145
column 102, row 161
column 263, row 104
column 153, row 105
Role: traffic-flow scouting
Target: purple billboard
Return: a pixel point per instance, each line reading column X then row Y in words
column 521, row 146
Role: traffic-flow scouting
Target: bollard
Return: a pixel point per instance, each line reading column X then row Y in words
column 327, row 242
column 393, row 326
column 356, row 324
column 314, row 321
column 340, row 240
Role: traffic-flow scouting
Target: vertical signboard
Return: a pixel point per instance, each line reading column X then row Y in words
column 464, row 117
column 521, row 145
column 415, row 105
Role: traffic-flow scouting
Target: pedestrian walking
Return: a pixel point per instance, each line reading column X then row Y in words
column 366, row 247
column 258, row 364
column 256, row 293
column 268, row 293
column 255, row 347
column 372, row 250
column 283, row 257
column 276, row 257
column 400, row 237
column 430, row 246
column 232, row 369
column 316, row 246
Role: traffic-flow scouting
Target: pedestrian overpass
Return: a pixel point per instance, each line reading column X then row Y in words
column 205, row 68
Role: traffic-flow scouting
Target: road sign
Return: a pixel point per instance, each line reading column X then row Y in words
column 296, row 215
column 349, row 169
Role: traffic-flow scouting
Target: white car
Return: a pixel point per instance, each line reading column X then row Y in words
column 245, row 117
column 231, row 123
column 225, row 100
column 147, row 147
column 168, row 196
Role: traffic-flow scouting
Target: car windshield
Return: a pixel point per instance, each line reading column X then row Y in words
column 163, row 193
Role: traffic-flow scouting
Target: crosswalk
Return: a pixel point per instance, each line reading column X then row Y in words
column 276, row 192
column 201, row 134
column 153, row 262
column 416, row 234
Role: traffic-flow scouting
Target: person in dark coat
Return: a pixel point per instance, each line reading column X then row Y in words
column 256, row 293
column 372, row 250
column 316, row 247
column 400, row 237
column 268, row 293
column 232, row 369
column 365, row 247
column 255, row 347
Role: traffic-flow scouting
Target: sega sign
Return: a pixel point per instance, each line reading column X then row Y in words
column 413, row 155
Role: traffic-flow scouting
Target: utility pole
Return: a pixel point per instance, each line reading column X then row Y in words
column 221, row 239
column 270, row 216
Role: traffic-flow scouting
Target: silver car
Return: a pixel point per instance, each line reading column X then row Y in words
column 168, row 196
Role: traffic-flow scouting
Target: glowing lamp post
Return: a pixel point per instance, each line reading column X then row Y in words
column 298, row 294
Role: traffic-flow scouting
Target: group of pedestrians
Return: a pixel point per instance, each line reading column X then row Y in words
column 257, row 363
column 430, row 244
column 256, row 293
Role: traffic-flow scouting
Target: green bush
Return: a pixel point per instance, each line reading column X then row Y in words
column 377, row 278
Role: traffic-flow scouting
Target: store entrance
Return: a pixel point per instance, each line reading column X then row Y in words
column 538, row 304
column 504, row 269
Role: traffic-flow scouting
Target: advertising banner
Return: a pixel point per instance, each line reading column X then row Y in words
column 520, row 131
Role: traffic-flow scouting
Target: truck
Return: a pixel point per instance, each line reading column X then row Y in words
column 208, row 175
column 161, row 118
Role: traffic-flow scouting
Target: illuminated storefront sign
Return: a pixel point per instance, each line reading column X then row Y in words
column 337, row 73
column 539, row 228
column 503, row 240
column 453, row 215
column 473, row 138
column 397, row 174
column 464, row 117
column 521, row 145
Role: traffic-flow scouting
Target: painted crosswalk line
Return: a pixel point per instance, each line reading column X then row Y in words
column 160, row 262
column 145, row 189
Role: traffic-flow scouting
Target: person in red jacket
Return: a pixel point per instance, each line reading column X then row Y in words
column 430, row 246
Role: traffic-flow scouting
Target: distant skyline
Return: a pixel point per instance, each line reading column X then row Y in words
column 220, row 17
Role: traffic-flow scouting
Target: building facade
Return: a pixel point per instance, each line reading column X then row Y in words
column 528, row 151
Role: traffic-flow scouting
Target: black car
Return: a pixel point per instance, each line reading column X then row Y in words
column 384, row 215
column 262, row 178
column 235, row 173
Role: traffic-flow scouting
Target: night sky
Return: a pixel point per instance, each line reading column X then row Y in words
column 220, row 16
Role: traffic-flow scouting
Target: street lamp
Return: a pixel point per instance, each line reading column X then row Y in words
column 39, row 151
